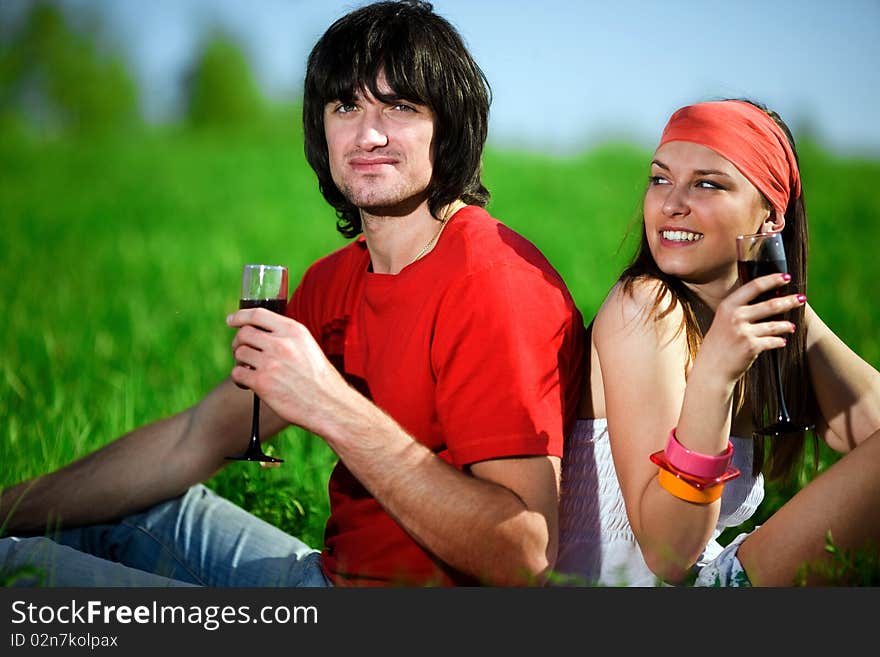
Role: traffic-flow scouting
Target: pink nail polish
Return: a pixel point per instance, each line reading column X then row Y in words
column 786, row 277
column 802, row 298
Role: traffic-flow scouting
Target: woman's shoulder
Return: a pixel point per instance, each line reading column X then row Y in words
column 638, row 305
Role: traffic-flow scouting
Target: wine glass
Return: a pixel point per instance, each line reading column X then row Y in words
column 757, row 255
column 262, row 286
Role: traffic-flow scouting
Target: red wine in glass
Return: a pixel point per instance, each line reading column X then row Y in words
column 749, row 269
column 262, row 286
column 275, row 305
column 758, row 255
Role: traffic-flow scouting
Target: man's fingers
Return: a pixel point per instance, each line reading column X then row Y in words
column 247, row 356
column 259, row 317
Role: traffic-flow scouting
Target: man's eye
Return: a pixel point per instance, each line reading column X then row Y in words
column 345, row 108
column 403, row 107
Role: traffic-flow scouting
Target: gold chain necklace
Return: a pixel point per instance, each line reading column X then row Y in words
column 430, row 243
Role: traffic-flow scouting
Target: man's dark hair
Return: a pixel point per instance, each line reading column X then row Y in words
column 424, row 60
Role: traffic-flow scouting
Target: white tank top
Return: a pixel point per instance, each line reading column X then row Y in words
column 596, row 543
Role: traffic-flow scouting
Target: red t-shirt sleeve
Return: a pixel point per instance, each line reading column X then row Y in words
column 503, row 363
column 298, row 307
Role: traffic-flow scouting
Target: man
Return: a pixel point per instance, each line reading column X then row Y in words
column 439, row 355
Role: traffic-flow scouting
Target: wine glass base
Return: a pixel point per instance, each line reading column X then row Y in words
column 783, row 428
column 263, row 458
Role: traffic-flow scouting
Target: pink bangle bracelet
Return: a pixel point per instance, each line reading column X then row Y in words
column 695, row 463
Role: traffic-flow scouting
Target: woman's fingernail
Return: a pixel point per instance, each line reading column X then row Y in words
column 802, row 298
column 786, row 277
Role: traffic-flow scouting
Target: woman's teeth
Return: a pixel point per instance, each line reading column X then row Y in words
column 681, row 236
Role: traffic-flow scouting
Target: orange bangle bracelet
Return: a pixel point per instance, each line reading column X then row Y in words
column 683, row 490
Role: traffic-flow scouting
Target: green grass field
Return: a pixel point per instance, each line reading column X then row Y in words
column 122, row 256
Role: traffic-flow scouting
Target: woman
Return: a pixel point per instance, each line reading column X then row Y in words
column 678, row 367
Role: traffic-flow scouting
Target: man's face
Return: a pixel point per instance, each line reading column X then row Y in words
column 380, row 153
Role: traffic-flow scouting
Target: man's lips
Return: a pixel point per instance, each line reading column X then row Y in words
column 361, row 163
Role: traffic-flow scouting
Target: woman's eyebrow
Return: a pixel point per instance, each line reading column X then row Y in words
column 699, row 172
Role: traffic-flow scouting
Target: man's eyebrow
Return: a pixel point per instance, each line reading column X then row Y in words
column 395, row 97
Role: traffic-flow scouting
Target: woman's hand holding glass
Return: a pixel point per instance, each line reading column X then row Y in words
column 742, row 330
column 759, row 254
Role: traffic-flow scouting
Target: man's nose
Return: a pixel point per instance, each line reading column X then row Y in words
column 371, row 131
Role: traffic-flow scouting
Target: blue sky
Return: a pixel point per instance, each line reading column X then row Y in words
column 565, row 74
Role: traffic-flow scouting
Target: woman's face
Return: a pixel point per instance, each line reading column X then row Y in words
column 696, row 204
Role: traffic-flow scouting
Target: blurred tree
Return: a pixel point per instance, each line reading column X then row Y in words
column 220, row 90
column 59, row 81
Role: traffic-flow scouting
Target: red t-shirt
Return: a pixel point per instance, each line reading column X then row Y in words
column 476, row 350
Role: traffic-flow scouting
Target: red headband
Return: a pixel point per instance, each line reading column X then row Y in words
column 747, row 137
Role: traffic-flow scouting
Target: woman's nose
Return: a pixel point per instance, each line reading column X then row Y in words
column 675, row 202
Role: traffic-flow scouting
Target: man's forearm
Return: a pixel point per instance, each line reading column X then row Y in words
column 115, row 480
column 151, row 464
column 479, row 526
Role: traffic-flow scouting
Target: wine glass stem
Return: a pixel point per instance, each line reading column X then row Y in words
column 780, row 394
column 255, row 423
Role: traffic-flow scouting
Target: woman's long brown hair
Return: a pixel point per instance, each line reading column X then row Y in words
column 784, row 454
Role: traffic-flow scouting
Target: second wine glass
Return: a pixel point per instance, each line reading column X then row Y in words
column 760, row 254
column 262, row 286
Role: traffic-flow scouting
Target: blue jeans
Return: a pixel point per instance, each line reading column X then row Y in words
column 197, row 539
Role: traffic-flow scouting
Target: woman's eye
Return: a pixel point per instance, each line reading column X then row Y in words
column 708, row 184
column 658, row 180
